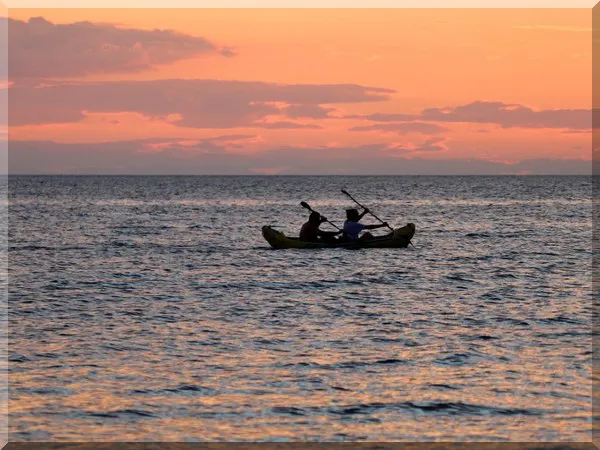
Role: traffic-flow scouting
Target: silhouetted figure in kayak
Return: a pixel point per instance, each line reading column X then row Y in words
column 352, row 227
column 310, row 231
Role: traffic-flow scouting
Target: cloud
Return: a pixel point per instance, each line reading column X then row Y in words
column 286, row 125
column 307, row 111
column 195, row 103
column 571, row 28
column 41, row 49
column 432, row 145
column 582, row 131
column 219, row 144
column 228, row 52
column 402, row 128
column 378, row 117
column 139, row 156
column 502, row 114
column 511, row 115
column 213, row 157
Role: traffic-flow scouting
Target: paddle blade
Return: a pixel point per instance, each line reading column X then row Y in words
column 305, row 205
column 344, row 192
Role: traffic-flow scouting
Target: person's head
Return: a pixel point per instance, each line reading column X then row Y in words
column 315, row 218
column 352, row 215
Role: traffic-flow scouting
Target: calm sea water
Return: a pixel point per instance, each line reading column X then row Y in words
column 151, row 308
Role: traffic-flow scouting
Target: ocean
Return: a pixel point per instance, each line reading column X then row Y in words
column 151, row 309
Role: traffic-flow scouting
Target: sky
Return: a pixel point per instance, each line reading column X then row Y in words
column 299, row 91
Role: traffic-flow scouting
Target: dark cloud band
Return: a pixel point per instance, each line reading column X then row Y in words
column 40, row 49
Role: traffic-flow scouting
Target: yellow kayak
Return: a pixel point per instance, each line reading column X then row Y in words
column 399, row 238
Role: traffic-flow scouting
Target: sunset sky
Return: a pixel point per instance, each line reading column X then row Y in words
column 300, row 91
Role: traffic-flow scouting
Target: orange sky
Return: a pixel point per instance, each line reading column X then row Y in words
column 432, row 58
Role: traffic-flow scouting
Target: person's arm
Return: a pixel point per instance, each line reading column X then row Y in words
column 373, row 227
column 327, row 233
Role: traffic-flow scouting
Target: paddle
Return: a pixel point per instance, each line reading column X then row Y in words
column 370, row 212
column 354, row 200
column 307, row 206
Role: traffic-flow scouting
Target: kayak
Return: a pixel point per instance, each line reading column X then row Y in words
column 399, row 238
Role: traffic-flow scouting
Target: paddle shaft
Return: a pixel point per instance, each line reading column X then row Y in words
column 366, row 208
column 354, row 200
column 307, row 206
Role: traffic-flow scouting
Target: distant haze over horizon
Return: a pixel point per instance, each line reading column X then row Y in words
column 299, row 91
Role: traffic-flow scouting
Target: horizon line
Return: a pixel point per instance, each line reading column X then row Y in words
column 297, row 175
